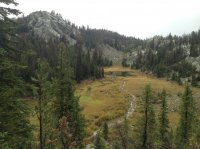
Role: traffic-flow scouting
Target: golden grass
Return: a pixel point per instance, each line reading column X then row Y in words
column 117, row 69
column 135, row 84
column 96, row 96
column 102, row 99
column 174, row 119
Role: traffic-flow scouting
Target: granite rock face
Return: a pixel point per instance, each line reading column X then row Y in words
column 50, row 25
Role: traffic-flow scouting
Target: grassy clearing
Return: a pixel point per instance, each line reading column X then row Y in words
column 102, row 99
column 117, row 69
column 135, row 84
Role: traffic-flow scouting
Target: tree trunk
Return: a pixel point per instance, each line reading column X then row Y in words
column 40, row 116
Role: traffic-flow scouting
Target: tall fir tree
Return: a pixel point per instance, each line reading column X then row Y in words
column 44, row 108
column 164, row 123
column 123, row 132
column 88, row 64
column 99, row 143
column 79, row 65
column 148, row 137
column 105, row 130
column 146, row 125
column 187, row 120
column 15, row 129
column 68, row 104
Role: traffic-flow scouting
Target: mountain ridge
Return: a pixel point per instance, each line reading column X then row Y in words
column 158, row 54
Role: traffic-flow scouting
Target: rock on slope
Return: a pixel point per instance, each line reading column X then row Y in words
column 195, row 61
column 111, row 53
column 50, row 25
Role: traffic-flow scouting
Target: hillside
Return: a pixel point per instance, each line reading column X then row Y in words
column 162, row 56
column 69, row 87
column 51, row 26
column 173, row 57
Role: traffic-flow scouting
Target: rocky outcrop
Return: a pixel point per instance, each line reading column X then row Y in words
column 111, row 53
column 195, row 61
column 50, row 25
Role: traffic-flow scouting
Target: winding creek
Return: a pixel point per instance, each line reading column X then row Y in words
column 112, row 123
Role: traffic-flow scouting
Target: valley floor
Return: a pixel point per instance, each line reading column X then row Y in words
column 110, row 99
column 104, row 100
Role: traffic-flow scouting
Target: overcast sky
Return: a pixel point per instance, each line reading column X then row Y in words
column 139, row 18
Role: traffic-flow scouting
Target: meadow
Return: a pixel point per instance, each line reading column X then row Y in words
column 102, row 99
column 135, row 83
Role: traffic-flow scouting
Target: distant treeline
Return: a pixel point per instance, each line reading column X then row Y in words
column 166, row 56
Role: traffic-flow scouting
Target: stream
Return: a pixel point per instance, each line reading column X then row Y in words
column 112, row 123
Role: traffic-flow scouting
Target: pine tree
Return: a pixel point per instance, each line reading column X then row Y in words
column 105, row 131
column 124, row 62
column 15, row 129
column 88, row 63
column 164, row 123
column 68, row 104
column 78, row 123
column 99, row 143
column 95, row 57
column 138, row 60
column 79, row 67
column 148, row 138
column 43, row 93
column 187, row 120
column 62, row 84
column 146, row 127
column 6, row 27
column 123, row 134
column 102, row 72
